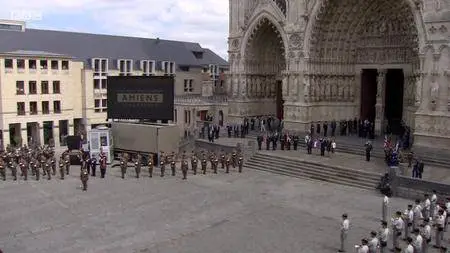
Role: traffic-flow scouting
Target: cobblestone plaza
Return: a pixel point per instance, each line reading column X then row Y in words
column 249, row 212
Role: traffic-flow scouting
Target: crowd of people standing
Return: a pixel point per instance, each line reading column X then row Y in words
column 414, row 226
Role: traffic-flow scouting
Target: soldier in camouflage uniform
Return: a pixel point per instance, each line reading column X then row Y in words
column 234, row 159
column 137, row 165
column 36, row 170
column 240, row 163
column 32, row 167
column 222, row 159
column 124, row 165
column 47, row 168
column 162, row 164
column 53, row 164
column 84, row 178
column 150, row 165
column 62, row 168
column 23, row 169
column 194, row 163
column 13, row 169
column 2, row 170
column 184, row 166
column 215, row 163
column 204, row 164
column 42, row 163
column 173, row 166
column 67, row 163
column 227, row 165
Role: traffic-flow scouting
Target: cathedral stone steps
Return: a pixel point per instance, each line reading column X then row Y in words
column 313, row 171
column 356, row 147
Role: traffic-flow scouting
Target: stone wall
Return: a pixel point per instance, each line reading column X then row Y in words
column 414, row 188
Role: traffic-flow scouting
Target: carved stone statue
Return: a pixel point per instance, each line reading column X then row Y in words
column 380, row 83
column 285, row 85
column 306, row 89
column 418, row 94
column 434, row 95
column 243, row 88
column 235, row 85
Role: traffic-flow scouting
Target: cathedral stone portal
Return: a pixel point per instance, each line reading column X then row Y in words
column 317, row 60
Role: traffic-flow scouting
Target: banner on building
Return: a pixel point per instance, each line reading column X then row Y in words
column 140, row 97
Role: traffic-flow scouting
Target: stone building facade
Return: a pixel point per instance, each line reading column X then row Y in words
column 318, row 60
column 54, row 83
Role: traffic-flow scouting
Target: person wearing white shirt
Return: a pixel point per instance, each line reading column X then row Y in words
column 409, row 248
column 385, row 208
column 345, row 227
column 447, row 205
column 439, row 223
column 397, row 227
column 426, row 235
column 408, row 217
column 373, row 243
column 418, row 241
column 363, row 248
column 445, row 214
column 383, row 236
column 433, row 202
column 417, row 214
column 426, row 206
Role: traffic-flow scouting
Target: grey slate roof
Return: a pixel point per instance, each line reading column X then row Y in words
column 85, row 46
column 34, row 53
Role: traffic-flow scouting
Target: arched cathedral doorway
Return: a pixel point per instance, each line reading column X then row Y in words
column 264, row 62
column 363, row 61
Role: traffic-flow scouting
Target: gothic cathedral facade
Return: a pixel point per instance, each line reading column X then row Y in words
column 311, row 61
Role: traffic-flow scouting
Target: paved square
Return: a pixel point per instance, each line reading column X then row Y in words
column 251, row 212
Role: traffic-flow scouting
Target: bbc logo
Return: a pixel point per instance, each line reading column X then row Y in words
column 26, row 15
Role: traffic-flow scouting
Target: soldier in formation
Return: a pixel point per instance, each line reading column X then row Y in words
column 84, row 177
column 124, row 164
column 62, row 169
column 194, row 162
column 103, row 163
column 184, row 166
column 24, row 160
column 173, row 164
column 150, row 166
column 138, row 164
column 162, row 164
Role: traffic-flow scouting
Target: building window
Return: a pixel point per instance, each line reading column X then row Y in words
column 56, row 87
column 125, row 67
column 20, row 64
column 104, row 65
column 20, row 108
column 45, row 107
column 56, row 106
column 148, row 67
column 32, row 64
column 175, row 116
column 20, row 87
column 188, row 85
column 33, row 108
column 168, row 67
column 104, row 105
column 96, row 84
column 9, row 63
column 32, row 87
column 65, row 65
column 55, row 65
column 44, row 87
column 97, row 105
column 104, row 82
column 44, row 64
